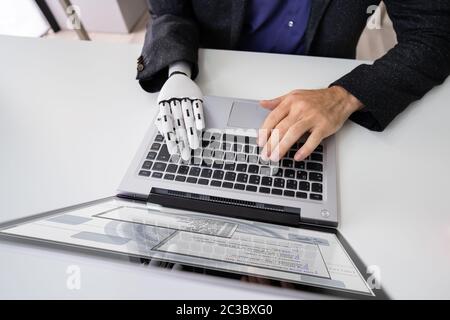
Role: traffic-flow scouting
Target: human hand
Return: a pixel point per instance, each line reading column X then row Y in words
column 319, row 113
column 180, row 119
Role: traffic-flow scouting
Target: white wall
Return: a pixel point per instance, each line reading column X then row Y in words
column 21, row 18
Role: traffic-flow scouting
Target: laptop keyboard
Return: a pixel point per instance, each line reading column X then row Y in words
column 233, row 162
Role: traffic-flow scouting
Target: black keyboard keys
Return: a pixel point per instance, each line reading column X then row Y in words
column 314, row 166
column 230, row 176
column 254, row 179
column 317, row 187
column 317, row 157
column 169, row 176
column 253, row 168
column 266, row 181
column 172, row 168
column 163, row 154
column 291, row 184
column 241, row 167
column 180, row 178
column 218, row 174
column 183, row 170
column 314, row 196
column 313, row 176
column 144, row 173
column 194, row 171
column 278, row 182
column 206, row 173
column 147, row 165
column 151, row 155
column 159, row 166
column 242, row 177
column 157, row 175
column 304, row 186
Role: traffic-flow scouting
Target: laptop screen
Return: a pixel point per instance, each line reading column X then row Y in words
column 240, row 247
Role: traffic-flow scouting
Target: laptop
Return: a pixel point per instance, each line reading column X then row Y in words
column 226, row 176
column 224, row 213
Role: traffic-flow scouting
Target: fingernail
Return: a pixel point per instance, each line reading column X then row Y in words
column 264, row 155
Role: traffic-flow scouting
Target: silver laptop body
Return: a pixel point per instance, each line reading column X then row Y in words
column 150, row 178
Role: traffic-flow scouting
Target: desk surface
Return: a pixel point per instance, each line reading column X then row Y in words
column 72, row 116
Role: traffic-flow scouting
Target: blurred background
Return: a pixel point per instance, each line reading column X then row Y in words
column 125, row 21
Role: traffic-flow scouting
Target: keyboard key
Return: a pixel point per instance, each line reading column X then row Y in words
column 203, row 181
column 195, row 171
column 218, row 165
column 172, row 168
column 240, row 157
column 264, row 190
column 218, row 174
column 218, row 154
column 227, row 185
column 159, row 138
column 183, row 170
column 301, row 195
column 266, row 181
column 317, row 187
column 180, row 178
column 206, row 135
column 313, row 176
column 289, row 173
column 278, row 182
column 287, row 163
column 277, row 192
column 159, row 166
column 254, row 179
column 163, row 154
column 155, row 146
column 191, row 180
column 206, row 173
column 304, row 186
column 215, row 183
column 239, row 186
column 229, row 156
column 291, row 184
column 229, row 166
column 151, row 155
column 169, row 176
column 266, row 171
column 289, row 193
column 157, row 175
column 319, row 149
column 314, row 196
column 242, row 177
column 241, row 167
column 317, row 157
column 314, row 166
column 253, row 168
column 230, row 176
column 144, row 173
column 299, row 165
column 252, row 159
column 251, row 188
column 278, row 172
column 147, row 165
column 302, row 175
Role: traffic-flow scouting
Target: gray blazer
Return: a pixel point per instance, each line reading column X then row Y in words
column 420, row 61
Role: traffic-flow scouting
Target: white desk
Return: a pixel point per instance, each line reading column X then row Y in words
column 72, row 116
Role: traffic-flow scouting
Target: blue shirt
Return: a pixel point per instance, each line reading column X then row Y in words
column 275, row 26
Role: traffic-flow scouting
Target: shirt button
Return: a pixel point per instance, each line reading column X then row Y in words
column 140, row 67
column 291, row 24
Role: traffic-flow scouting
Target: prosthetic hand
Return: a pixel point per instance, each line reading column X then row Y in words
column 180, row 118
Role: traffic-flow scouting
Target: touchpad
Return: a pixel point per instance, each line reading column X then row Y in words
column 246, row 114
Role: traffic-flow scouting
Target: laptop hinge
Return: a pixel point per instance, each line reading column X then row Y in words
column 225, row 206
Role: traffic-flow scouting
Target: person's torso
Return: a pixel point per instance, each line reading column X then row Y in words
column 333, row 28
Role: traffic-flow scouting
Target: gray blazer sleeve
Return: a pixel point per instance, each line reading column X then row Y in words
column 420, row 61
column 171, row 36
